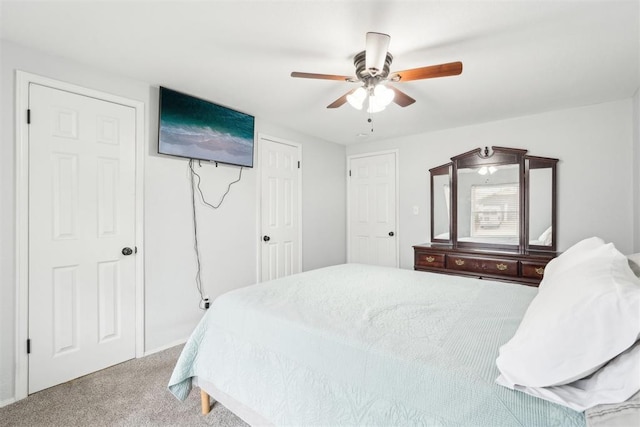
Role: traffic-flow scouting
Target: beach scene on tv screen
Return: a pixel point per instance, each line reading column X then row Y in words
column 194, row 128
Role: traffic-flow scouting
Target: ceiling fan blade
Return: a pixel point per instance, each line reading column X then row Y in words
column 376, row 52
column 432, row 71
column 341, row 101
column 321, row 76
column 401, row 98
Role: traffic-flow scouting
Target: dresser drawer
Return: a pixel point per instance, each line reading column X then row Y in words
column 482, row 265
column 429, row 260
column 533, row 269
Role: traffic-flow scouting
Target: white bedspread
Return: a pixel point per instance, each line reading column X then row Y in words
column 364, row 345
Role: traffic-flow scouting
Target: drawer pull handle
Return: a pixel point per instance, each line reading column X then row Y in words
column 430, row 259
column 540, row 270
column 459, row 262
column 501, row 267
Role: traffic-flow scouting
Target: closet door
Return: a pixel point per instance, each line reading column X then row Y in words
column 372, row 203
column 280, row 209
column 82, row 268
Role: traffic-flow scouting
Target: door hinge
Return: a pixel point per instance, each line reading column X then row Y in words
column 298, row 164
column 28, row 345
column 349, row 172
column 29, row 116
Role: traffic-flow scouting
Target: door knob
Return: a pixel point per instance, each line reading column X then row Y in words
column 266, row 238
column 127, row 251
column 391, row 233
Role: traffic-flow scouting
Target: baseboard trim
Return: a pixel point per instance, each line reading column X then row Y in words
column 7, row 402
column 165, row 347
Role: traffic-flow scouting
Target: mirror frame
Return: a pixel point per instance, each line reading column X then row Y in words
column 496, row 157
column 535, row 162
column 439, row 171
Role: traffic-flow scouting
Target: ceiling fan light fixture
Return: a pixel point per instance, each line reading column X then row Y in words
column 374, row 107
column 487, row 170
column 384, row 94
column 356, row 99
column 376, row 52
column 373, row 68
column 379, row 98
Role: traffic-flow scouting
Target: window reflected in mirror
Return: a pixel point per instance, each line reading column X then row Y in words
column 495, row 210
column 489, row 204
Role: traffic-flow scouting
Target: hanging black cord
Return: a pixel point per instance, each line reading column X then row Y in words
column 194, row 175
column 195, row 236
column 193, row 172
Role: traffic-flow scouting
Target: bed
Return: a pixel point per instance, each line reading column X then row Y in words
column 364, row 345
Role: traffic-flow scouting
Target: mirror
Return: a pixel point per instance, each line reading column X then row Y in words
column 440, row 203
column 489, row 205
column 541, row 179
column 500, row 199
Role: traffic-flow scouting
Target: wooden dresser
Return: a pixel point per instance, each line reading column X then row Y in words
column 527, row 269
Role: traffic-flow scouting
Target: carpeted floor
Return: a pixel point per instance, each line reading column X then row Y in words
column 133, row 393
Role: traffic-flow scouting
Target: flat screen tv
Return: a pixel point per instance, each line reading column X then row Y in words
column 197, row 129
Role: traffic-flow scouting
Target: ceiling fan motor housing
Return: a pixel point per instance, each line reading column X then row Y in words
column 361, row 69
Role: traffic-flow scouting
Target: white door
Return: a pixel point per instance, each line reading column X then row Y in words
column 81, row 217
column 372, row 210
column 280, row 206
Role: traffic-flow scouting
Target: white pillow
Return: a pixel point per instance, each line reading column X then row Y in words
column 634, row 263
column 586, row 313
column 569, row 258
column 545, row 237
column 615, row 382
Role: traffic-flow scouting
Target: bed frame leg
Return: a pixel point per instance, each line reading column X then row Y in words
column 205, row 402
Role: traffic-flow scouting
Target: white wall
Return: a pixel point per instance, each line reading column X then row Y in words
column 228, row 236
column 595, row 172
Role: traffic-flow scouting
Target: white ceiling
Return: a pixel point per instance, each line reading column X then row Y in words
column 520, row 57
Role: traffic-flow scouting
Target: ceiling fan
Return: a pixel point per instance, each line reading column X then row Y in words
column 372, row 70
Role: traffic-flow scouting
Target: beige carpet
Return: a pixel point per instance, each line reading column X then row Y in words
column 133, row 393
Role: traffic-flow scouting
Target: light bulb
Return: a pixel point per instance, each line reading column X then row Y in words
column 379, row 98
column 374, row 105
column 384, row 94
column 356, row 99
